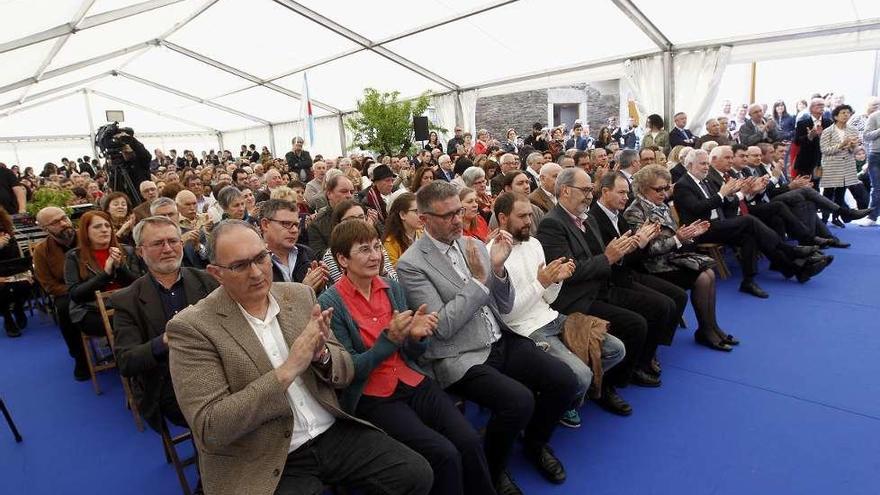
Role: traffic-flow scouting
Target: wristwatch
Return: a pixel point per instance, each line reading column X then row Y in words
column 324, row 358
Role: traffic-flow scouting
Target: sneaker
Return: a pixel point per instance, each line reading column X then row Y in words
column 571, row 419
column 865, row 222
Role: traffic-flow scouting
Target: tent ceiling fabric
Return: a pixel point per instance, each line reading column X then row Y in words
column 234, row 64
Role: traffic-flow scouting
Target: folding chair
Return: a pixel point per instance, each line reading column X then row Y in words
column 106, row 314
column 169, row 443
column 716, row 251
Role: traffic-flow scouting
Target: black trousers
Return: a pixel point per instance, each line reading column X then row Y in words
column 69, row 331
column 525, row 388
column 779, row 217
column 425, row 419
column 838, row 195
column 353, row 455
column 752, row 236
column 673, row 313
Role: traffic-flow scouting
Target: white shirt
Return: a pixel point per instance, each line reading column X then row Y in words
column 611, row 216
column 286, row 270
column 310, row 419
column 714, row 214
column 459, row 263
column 532, row 309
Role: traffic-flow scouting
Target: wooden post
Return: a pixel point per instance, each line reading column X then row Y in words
column 752, row 82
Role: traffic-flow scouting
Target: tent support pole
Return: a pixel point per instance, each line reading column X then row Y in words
column 88, row 102
column 220, row 142
column 875, row 86
column 459, row 111
column 752, row 80
column 668, row 87
column 272, row 139
column 342, row 144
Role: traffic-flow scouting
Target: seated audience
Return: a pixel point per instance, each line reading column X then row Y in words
column 473, row 224
column 345, row 211
column 374, row 196
column 99, row 262
column 475, row 178
column 337, row 189
column 254, row 366
column 402, row 228
column 291, row 261
column 118, row 207
column 232, row 202
column 671, row 256
column 532, row 316
column 517, row 182
column 142, row 310
column 195, row 254
column 149, row 192
column 15, row 288
column 543, row 197
column 473, row 353
column 385, row 339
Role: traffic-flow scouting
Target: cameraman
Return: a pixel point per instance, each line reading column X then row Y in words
column 134, row 162
column 539, row 139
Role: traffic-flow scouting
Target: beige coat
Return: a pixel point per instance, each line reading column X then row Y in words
column 226, row 387
column 838, row 165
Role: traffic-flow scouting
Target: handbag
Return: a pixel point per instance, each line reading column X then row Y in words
column 692, row 261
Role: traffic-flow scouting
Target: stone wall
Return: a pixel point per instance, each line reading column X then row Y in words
column 521, row 110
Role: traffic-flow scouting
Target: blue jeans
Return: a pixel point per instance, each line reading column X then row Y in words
column 874, row 174
column 613, row 352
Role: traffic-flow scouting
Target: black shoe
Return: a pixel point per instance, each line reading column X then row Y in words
column 823, row 242
column 612, row 402
column 81, row 373
column 654, row 367
column 750, row 287
column 12, row 330
column 505, row 485
column 701, row 339
column 728, row 338
column 848, row 214
column 810, row 270
column 20, row 318
column 838, row 223
column 644, row 379
column 804, row 251
column 837, row 243
column 547, row 463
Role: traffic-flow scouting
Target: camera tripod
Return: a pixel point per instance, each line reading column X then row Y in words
column 121, row 181
column 9, row 421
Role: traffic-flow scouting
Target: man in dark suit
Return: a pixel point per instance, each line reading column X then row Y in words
column 446, row 169
column 680, row 134
column 299, row 161
column 757, row 129
column 807, row 131
column 473, row 353
column 699, row 199
column 663, row 318
column 456, row 140
column 568, row 232
column 507, row 163
column 142, row 310
column 149, row 192
column 291, row 262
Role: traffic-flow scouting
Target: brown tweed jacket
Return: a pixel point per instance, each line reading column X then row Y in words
column 540, row 199
column 239, row 414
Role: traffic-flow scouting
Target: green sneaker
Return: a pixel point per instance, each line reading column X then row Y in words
column 571, row 419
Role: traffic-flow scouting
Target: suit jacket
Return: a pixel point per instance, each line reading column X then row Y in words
column 541, row 199
column 809, row 153
column 463, row 337
column 774, row 189
column 690, row 202
column 716, row 180
column 138, row 320
column 677, row 172
column 239, row 414
column 682, row 137
column 749, row 135
column 304, row 257
column 620, row 272
column 561, row 238
column 49, row 266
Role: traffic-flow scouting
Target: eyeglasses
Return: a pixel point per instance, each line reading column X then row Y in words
column 172, row 243
column 665, row 188
column 285, row 224
column 586, row 189
column 58, row 221
column 447, row 216
column 361, row 217
column 243, row 265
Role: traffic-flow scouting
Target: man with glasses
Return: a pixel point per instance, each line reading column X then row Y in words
column 256, row 369
column 291, row 261
column 338, row 188
column 49, row 257
column 473, row 353
column 454, row 142
column 195, row 254
column 142, row 310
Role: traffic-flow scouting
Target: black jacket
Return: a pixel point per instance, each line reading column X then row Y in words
column 809, row 155
column 82, row 290
column 138, row 321
column 692, row 205
column 304, row 257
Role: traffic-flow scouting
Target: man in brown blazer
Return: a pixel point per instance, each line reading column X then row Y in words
column 254, row 367
column 543, row 197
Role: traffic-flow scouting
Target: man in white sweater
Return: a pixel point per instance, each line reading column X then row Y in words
column 537, row 285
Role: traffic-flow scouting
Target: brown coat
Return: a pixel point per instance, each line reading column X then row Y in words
column 238, row 412
column 540, row 199
column 583, row 335
column 49, row 266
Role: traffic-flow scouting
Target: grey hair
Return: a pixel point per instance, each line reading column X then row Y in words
column 647, row 175
column 220, row 230
column 160, row 202
column 269, row 207
column 716, row 151
column 333, row 171
column 709, row 146
column 436, row 191
column 227, row 195
column 138, row 231
column 566, row 178
column 504, row 158
column 627, row 158
column 533, row 157
column 692, row 156
column 548, row 168
column 471, row 174
column 298, row 139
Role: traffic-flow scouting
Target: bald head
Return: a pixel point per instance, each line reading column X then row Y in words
column 56, row 223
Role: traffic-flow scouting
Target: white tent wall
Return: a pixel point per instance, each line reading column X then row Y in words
column 193, row 142
column 36, row 153
column 258, row 136
column 697, row 77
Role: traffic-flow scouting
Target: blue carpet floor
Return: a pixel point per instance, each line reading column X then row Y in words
column 794, row 410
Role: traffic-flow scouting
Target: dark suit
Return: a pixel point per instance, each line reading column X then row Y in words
column 682, row 137
column 668, row 300
column 749, row 135
column 304, row 257
column 496, row 184
column 809, row 155
column 804, row 202
column 138, row 322
column 589, row 290
column 776, row 214
column 677, row 172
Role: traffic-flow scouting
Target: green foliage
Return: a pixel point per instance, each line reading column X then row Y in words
column 48, row 196
column 384, row 123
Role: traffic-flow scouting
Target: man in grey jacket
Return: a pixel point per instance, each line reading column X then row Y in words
column 473, row 353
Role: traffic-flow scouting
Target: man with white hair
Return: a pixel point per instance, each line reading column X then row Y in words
column 534, row 162
column 543, row 196
column 714, row 132
column 806, row 136
column 507, row 163
column 273, row 180
column 680, row 134
column 756, row 129
column 445, row 172
column 149, row 192
column 315, row 187
column 699, row 199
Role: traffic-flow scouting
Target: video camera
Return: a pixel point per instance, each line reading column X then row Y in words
column 110, row 145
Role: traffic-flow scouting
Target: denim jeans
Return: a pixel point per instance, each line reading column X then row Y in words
column 613, row 352
column 874, row 174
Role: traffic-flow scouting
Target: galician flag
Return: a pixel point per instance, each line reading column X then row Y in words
column 306, row 112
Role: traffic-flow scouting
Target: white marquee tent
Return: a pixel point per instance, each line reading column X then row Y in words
column 199, row 74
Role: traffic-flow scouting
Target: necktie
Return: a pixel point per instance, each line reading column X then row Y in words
column 579, row 223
